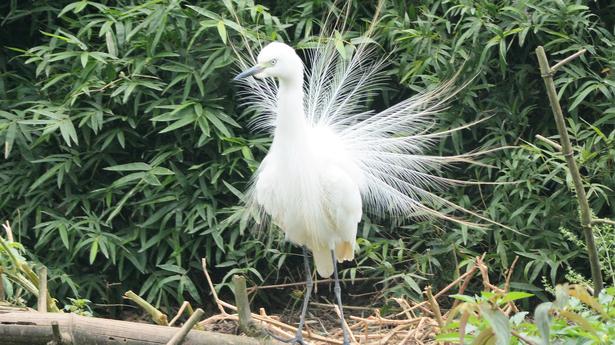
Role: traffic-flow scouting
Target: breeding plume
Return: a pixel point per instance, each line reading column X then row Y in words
column 331, row 158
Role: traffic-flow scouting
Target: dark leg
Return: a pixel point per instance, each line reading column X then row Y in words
column 308, row 292
column 309, row 284
column 338, row 295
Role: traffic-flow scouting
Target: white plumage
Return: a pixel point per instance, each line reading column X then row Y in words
column 330, row 157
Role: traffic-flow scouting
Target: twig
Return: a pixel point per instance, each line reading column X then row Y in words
column 550, row 142
column 211, row 286
column 8, row 230
column 179, row 313
column 316, row 282
column 350, row 307
column 434, row 307
column 179, row 336
column 344, row 324
column 42, row 289
column 509, row 274
column 586, row 218
column 158, row 316
column 567, row 60
column 603, row 221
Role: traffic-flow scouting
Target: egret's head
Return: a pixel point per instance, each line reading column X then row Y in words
column 276, row 60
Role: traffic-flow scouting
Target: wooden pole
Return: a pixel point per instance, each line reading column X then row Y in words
column 586, row 219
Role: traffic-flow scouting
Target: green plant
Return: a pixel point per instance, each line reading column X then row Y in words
column 575, row 317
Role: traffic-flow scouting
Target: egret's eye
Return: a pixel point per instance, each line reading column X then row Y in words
column 273, row 62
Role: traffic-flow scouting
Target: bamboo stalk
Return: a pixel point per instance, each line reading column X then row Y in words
column 586, row 221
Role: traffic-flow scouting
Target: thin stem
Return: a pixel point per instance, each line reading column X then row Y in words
column 178, row 338
column 567, row 60
column 547, row 75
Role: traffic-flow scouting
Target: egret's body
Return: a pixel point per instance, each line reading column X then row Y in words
column 308, row 186
column 329, row 157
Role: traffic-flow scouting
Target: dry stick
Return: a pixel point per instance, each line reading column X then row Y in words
column 547, row 75
column 316, row 282
column 509, row 274
column 42, row 289
column 603, row 221
column 179, row 313
column 434, row 306
column 211, row 286
column 465, row 284
column 550, row 142
column 9, row 231
column 344, row 324
column 158, row 316
column 446, row 288
column 178, row 338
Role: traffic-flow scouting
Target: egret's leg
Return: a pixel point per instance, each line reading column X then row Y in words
column 309, row 284
column 338, row 295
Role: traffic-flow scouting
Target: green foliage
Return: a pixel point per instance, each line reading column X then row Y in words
column 125, row 149
column 19, row 284
column 575, row 317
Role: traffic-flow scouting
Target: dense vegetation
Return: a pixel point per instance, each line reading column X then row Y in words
column 125, row 148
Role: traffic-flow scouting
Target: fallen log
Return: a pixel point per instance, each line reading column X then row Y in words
column 34, row 328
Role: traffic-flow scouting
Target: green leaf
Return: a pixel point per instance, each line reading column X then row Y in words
column 93, row 251
column 137, row 166
column 222, row 30
column 9, row 138
column 516, row 295
column 172, row 268
column 498, row 323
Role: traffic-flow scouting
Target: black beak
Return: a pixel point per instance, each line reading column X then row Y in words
column 250, row 71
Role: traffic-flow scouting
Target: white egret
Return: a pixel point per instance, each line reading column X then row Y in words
column 330, row 157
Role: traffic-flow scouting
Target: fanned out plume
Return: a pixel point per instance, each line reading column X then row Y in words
column 389, row 147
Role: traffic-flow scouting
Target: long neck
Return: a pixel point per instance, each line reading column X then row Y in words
column 291, row 124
